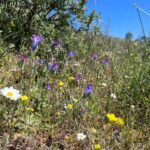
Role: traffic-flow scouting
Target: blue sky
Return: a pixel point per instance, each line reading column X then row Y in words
column 122, row 16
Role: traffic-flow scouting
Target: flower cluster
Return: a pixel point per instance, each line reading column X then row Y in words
column 14, row 94
column 54, row 67
column 112, row 118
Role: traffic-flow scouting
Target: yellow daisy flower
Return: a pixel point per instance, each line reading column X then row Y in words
column 24, row 98
column 119, row 121
column 71, row 78
column 61, row 84
column 70, row 106
column 97, row 146
column 111, row 117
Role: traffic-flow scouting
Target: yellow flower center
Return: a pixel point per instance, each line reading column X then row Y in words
column 9, row 94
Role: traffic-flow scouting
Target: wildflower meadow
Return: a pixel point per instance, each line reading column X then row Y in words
column 68, row 88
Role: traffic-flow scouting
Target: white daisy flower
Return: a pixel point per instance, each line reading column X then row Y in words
column 81, row 136
column 10, row 92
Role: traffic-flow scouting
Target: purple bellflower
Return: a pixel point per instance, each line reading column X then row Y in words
column 48, row 66
column 36, row 39
column 78, row 77
column 55, row 66
column 105, row 60
column 88, row 89
column 71, row 54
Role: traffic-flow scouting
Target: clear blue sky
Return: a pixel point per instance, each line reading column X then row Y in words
column 122, row 16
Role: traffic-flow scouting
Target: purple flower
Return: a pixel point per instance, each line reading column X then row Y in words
column 71, row 54
column 35, row 61
column 88, row 89
column 94, row 56
column 41, row 61
column 48, row 66
column 105, row 60
column 56, row 42
column 36, row 39
column 55, row 66
column 48, row 86
column 78, row 77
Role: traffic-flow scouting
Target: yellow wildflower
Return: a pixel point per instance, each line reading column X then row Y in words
column 71, row 78
column 30, row 109
column 58, row 113
column 111, row 117
column 119, row 121
column 70, row 106
column 97, row 146
column 61, row 84
column 24, row 98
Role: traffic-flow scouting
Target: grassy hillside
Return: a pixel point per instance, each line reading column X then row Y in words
column 80, row 91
